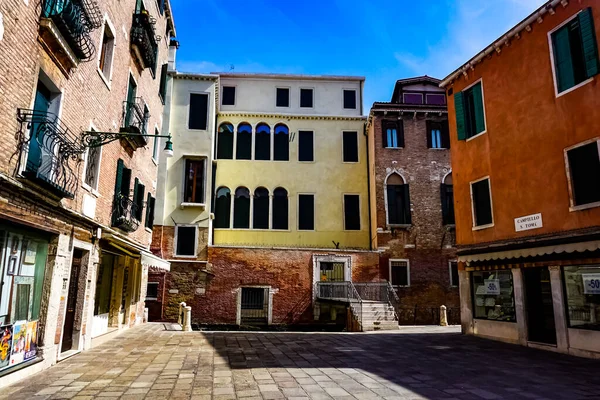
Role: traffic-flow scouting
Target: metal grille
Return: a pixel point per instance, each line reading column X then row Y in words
column 399, row 273
column 331, row 271
column 254, row 306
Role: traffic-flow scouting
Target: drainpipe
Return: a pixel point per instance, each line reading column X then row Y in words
column 368, row 186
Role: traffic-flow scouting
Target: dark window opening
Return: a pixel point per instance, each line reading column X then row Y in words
column 584, row 168
column 228, row 95
column 150, row 202
column 281, row 143
column 306, row 98
column 447, row 204
column 152, row 290
column 350, row 144
column 225, row 142
column 435, row 99
column 186, row 241
column 306, row 146
column 253, row 298
column 280, row 209
column 261, row 209
column 350, row 99
column 244, row 142
column 351, row 212
column 283, row 97
column 222, row 207
column 413, row 98
column 241, row 208
column 453, row 273
column 262, row 144
column 399, row 273
column 162, row 88
column 482, row 202
column 198, row 111
column 306, row 212
column 194, row 181
column 398, row 201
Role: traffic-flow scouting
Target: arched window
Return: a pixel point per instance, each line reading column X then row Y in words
column 244, row 142
column 225, row 141
column 222, row 207
column 241, row 208
column 448, row 200
column 280, row 208
column 260, row 215
column 262, row 143
column 398, row 200
column 281, row 143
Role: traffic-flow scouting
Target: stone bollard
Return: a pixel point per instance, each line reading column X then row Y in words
column 187, row 319
column 443, row 316
column 180, row 316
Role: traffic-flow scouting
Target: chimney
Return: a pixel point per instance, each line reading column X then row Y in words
column 173, row 46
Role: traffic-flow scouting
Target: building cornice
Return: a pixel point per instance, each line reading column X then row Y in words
column 192, row 76
column 410, row 112
column 292, row 116
column 242, row 75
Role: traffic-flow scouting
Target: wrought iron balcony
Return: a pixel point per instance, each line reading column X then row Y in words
column 74, row 20
column 124, row 214
column 49, row 150
column 144, row 41
column 135, row 120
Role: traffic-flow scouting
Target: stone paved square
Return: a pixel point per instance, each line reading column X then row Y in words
column 149, row 362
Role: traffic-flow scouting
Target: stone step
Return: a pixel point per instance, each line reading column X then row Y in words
column 387, row 326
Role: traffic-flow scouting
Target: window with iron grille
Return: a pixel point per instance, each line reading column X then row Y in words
column 152, row 291
column 92, row 167
column 253, row 298
column 399, row 273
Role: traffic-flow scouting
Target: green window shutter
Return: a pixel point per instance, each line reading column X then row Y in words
column 562, row 59
column 459, row 108
column 136, row 184
column 147, row 221
column 151, row 218
column 478, row 105
column 588, row 42
column 139, row 201
column 119, row 179
column 163, row 82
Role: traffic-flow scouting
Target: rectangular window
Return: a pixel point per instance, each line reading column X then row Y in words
column 306, row 146
column 399, row 273
column 186, row 240
column 306, row 98
column 283, row 97
column 350, row 99
column 582, row 289
column 447, row 192
column 453, row 273
column 481, row 199
column 152, row 291
column 437, row 135
column 156, row 145
column 435, row 99
column 412, row 98
column 351, row 212
column 493, row 295
column 350, row 146
column 162, row 88
column 198, row 116
column 470, row 114
column 228, row 96
column 584, row 173
column 92, row 167
column 398, row 203
column 106, row 52
column 306, row 212
column 393, row 134
column 194, row 181
column 575, row 51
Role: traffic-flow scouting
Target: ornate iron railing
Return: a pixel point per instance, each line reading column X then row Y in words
column 135, row 120
column 378, row 291
column 125, row 213
column 49, row 150
column 144, row 39
column 75, row 19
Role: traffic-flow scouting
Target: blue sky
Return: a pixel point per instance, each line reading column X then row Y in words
column 383, row 40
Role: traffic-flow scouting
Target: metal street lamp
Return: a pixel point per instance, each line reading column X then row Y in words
column 98, row 139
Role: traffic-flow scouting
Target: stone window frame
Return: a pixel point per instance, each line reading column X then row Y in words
column 238, row 292
column 92, row 188
column 344, row 90
column 572, row 205
column 107, row 23
column 407, row 272
column 336, row 258
column 473, row 219
column 157, row 285
column 385, row 198
column 199, row 157
column 175, row 237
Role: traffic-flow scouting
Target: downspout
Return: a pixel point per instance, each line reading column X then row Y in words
column 368, row 186
column 214, row 165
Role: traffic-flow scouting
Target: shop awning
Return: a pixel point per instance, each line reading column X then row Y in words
column 150, row 260
column 532, row 251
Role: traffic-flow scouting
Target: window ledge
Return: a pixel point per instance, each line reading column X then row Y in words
column 399, row 226
column 569, row 90
column 151, row 298
column 481, row 227
column 584, row 206
column 476, row 136
column 186, row 257
column 104, row 79
column 439, row 148
column 192, row 205
column 393, row 148
column 89, row 189
column 148, row 230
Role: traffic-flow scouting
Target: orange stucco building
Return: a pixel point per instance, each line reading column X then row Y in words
column 523, row 117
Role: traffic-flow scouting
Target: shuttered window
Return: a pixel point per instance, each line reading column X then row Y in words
column 482, row 202
column 399, row 273
column 470, row 114
column 575, row 51
column 138, row 199
column 122, row 187
column 398, row 204
column 351, row 212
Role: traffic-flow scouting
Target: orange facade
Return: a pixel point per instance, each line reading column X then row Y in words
column 527, row 129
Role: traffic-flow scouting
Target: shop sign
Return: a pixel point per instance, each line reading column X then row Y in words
column 492, row 286
column 528, row 222
column 591, row 283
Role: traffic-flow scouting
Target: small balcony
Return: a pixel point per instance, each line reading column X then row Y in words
column 144, row 42
column 124, row 214
column 50, row 152
column 135, row 120
column 65, row 28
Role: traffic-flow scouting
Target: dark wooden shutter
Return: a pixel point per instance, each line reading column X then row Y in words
column 444, row 201
column 400, row 132
column 562, row 59
column 140, row 201
column 445, row 135
column 136, row 183
column 588, row 42
column 126, row 182
column 406, row 198
column 392, row 203
column 478, row 105
column 151, row 212
column 163, row 82
column 119, row 178
column 459, row 108
column 428, row 132
column 147, row 221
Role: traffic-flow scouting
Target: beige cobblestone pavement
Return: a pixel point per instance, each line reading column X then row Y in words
column 149, row 362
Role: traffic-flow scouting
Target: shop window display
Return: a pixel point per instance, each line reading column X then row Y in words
column 493, row 295
column 22, row 266
column 582, row 288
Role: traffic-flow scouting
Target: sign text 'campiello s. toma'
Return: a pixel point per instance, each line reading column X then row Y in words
column 528, row 222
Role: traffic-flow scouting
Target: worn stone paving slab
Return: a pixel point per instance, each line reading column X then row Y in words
column 149, row 362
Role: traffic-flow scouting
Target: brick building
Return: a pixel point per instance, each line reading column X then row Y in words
column 411, row 199
column 525, row 155
column 81, row 87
